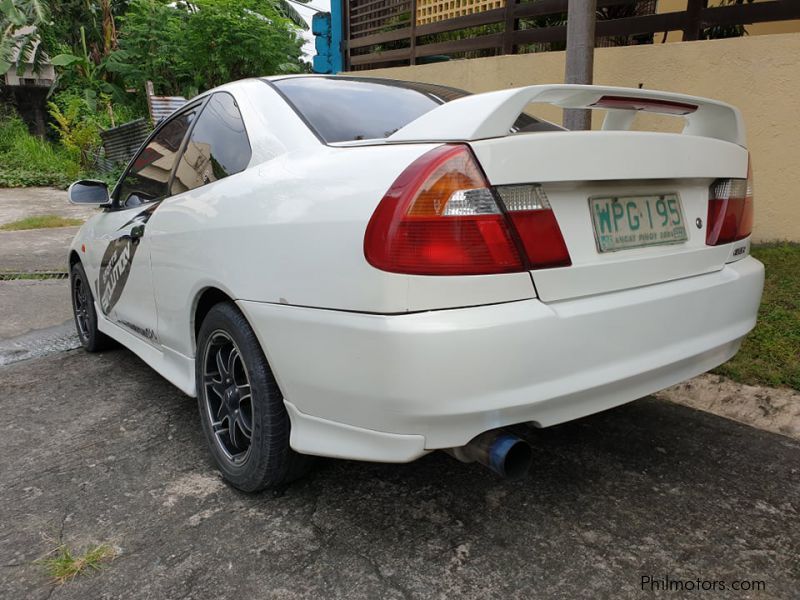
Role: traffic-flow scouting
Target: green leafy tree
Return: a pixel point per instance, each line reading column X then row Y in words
column 150, row 47
column 231, row 39
column 96, row 17
column 40, row 27
column 185, row 47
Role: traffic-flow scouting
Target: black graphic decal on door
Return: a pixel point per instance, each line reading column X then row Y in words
column 115, row 266
column 114, row 270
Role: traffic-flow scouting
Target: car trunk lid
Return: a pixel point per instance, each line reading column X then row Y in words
column 580, row 172
column 615, row 169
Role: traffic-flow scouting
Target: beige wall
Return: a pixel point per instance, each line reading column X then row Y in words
column 760, row 75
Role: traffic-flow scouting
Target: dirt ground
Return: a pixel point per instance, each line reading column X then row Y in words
column 771, row 409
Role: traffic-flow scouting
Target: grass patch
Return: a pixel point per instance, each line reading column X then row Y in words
column 40, row 222
column 26, row 160
column 29, row 161
column 770, row 354
column 64, row 566
column 35, row 275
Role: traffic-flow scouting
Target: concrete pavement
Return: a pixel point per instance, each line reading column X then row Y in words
column 98, row 448
column 19, row 203
column 38, row 249
column 36, row 314
column 35, row 250
column 36, row 319
column 30, row 304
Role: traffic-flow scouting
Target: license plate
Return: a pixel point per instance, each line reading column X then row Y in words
column 622, row 222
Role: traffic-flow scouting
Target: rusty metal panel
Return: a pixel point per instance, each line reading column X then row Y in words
column 163, row 106
column 121, row 143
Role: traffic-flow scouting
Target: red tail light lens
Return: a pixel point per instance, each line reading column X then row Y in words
column 530, row 212
column 730, row 210
column 441, row 217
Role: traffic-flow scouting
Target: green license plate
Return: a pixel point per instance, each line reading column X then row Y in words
column 622, row 222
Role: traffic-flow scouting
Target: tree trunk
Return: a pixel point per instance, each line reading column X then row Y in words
column 109, row 28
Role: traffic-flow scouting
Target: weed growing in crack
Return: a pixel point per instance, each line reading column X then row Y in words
column 63, row 565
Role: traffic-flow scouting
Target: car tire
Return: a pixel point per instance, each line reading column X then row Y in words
column 230, row 364
column 83, row 310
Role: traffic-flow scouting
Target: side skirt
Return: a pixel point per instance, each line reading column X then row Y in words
column 172, row 366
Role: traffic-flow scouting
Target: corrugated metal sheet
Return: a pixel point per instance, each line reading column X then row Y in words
column 163, row 106
column 121, row 143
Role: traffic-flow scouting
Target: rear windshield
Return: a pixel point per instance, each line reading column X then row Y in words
column 343, row 109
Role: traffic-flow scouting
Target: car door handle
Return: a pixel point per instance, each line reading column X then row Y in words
column 137, row 231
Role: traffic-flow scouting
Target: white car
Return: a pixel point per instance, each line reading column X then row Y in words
column 373, row 269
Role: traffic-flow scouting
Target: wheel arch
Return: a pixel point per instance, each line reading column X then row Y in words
column 208, row 297
column 73, row 259
column 204, row 301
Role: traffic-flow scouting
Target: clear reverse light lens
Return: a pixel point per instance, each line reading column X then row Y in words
column 464, row 203
column 523, row 197
column 722, row 189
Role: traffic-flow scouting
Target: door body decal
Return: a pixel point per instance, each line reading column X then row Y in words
column 115, row 266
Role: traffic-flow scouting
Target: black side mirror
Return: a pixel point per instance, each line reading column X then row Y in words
column 89, row 191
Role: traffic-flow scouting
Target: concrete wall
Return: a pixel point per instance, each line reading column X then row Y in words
column 759, row 74
column 44, row 78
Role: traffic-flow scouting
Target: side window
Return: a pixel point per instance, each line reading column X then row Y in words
column 147, row 179
column 218, row 146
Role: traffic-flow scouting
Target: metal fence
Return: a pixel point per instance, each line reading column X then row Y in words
column 382, row 33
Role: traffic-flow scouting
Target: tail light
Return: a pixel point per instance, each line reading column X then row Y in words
column 730, row 210
column 441, row 217
column 529, row 210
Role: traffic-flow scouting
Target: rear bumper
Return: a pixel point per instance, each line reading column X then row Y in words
column 391, row 388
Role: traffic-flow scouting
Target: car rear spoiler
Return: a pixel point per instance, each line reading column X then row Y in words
column 492, row 114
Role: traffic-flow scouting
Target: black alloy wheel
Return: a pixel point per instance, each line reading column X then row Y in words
column 227, row 396
column 92, row 339
column 241, row 407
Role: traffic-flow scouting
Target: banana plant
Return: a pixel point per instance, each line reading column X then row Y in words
column 94, row 76
column 21, row 42
column 286, row 10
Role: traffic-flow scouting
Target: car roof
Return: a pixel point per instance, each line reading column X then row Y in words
column 233, row 85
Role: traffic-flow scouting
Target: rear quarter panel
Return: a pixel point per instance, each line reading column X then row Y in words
column 291, row 231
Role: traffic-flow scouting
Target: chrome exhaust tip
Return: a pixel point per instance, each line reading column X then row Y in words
column 501, row 451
